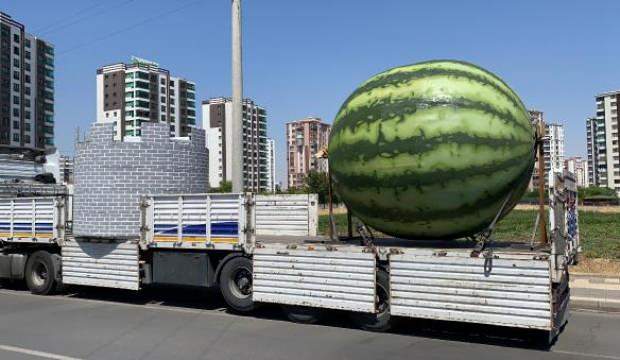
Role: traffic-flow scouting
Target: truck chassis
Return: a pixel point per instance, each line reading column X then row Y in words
column 264, row 249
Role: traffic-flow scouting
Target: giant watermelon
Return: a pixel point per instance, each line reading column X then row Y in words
column 431, row 150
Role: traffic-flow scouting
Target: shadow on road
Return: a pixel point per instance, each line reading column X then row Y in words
column 211, row 300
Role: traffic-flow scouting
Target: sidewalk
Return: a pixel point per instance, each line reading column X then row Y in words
column 596, row 292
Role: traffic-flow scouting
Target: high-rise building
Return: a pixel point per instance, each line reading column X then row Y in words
column 130, row 94
column 26, row 91
column 305, row 138
column 578, row 166
column 603, row 142
column 217, row 121
column 271, row 165
column 553, row 149
column 65, row 169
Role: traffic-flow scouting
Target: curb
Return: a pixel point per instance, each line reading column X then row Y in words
column 590, row 303
column 593, row 275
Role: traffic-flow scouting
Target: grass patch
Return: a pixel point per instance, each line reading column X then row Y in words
column 600, row 232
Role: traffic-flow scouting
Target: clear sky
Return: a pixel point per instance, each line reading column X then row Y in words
column 304, row 57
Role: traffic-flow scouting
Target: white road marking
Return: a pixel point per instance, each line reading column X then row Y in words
column 41, row 354
column 596, row 356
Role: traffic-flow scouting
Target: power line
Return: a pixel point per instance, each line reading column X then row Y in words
column 81, row 19
column 130, row 27
column 79, row 12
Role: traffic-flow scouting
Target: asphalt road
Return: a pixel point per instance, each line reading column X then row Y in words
column 178, row 324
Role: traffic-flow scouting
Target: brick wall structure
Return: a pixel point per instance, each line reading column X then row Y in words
column 111, row 176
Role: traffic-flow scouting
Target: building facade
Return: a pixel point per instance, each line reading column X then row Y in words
column 271, row 165
column 217, row 121
column 65, row 169
column 603, row 142
column 305, row 138
column 26, row 91
column 578, row 166
column 131, row 94
column 553, row 149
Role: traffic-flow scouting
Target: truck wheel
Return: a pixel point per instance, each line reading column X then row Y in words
column 236, row 284
column 379, row 321
column 302, row 314
column 41, row 273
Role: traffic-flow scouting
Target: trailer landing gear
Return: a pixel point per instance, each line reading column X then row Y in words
column 236, row 284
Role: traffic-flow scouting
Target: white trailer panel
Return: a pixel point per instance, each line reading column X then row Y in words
column 342, row 280
column 31, row 220
column 515, row 291
column 107, row 264
column 190, row 221
column 286, row 214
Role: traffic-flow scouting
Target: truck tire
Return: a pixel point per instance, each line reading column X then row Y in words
column 41, row 273
column 302, row 314
column 236, row 284
column 379, row 321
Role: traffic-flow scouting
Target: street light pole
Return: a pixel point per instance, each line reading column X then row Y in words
column 237, row 99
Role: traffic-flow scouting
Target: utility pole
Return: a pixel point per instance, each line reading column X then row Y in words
column 237, row 98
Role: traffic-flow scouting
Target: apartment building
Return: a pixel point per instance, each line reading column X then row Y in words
column 603, row 142
column 271, row 165
column 578, row 166
column 553, row 149
column 217, row 121
column 305, row 138
column 26, row 91
column 139, row 91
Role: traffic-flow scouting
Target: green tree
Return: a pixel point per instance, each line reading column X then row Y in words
column 597, row 192
column 225, row 187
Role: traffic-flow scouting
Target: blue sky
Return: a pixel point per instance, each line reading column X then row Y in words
column 304, row 57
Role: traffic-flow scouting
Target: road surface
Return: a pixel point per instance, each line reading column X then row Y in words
column 178, row 324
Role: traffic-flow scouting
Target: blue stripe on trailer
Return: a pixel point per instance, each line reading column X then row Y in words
column 228, row 228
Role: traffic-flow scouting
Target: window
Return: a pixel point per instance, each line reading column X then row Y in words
column 15, row 50
column 27, row 138
column 163, row 118
column 27, row 42
column 15, row 137
column 16, row 63
column 107, row 114
column 16, row 100
column 27, row 114
column 163, row 90
column 15, row 87
column 163, row 108
column 163, row 99
column 163, row 81
column 27, row 54
column 16, row 75
column 16, row 38
column 26, row 90
column 15, row 112
column 15, row 124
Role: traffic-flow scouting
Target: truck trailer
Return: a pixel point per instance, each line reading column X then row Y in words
column 265, row 249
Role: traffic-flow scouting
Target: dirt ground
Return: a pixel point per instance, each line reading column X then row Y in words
column 598, row 266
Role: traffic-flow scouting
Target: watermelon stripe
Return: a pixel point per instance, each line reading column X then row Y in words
column 404, row 77
column 364, row 149
column 410, row 178
column 363, row 115
column 405, row 214
column 446, row 196
column 432, row 122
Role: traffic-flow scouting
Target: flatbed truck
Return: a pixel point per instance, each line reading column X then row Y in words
column 265, row 249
